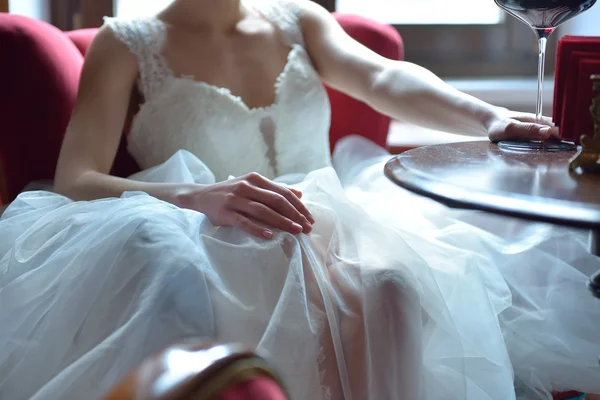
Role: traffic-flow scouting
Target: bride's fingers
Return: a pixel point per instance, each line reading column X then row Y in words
column 279, row 204
column 530, row 118
column 263, row 214
column 296, row 192
column 555, row 132
column 523, row 130
column 247, row 225
column 286, row 192
column 526, row 117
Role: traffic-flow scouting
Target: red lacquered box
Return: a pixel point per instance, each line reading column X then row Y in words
column 577, row 58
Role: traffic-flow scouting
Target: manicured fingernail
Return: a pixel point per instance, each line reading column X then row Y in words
column 545, row 132
column 297, row 227
column 268, row 234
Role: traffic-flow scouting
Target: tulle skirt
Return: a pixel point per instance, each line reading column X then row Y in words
column 391, row 297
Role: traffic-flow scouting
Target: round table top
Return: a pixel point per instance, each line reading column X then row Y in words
column 534, row 185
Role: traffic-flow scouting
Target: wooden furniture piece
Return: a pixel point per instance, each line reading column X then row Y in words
column 4, row 6
column 479, row 175
column 200, row 370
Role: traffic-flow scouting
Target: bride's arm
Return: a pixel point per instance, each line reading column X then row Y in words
column 94, row 132
column 404, row 90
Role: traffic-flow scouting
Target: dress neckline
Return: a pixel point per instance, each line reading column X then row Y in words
column 221, row 90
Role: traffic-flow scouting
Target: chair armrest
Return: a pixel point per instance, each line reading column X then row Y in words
column 39, row 76
column 201, row 371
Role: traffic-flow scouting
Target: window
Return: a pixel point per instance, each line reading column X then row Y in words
column 38, row 9
column 134, row 8
column 424, row 12
column 475, row 39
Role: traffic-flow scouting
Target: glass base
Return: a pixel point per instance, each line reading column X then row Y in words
column 525, row 145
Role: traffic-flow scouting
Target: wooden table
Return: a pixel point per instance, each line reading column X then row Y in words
column 479, row 175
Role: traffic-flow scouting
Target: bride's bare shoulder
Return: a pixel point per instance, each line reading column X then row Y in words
column 108, row 52
column 110, row 39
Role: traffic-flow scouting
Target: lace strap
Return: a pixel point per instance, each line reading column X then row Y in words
column 144, row 37
column 286, row 15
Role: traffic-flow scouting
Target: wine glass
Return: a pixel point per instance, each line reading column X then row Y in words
column 543, row 16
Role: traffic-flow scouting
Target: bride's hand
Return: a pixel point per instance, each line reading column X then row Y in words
column 251, row 203
column 508, row 125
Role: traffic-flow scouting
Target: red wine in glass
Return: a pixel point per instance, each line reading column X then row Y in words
column 543, row 16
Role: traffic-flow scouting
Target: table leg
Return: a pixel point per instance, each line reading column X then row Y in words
column 595, row 249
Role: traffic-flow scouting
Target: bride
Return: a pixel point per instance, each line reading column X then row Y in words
column 242, row 227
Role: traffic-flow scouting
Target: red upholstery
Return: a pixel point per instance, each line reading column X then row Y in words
column 39, row 76
column 82, row 38
column 350, row 116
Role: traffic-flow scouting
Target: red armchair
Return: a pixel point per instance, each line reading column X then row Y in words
column 39, row 75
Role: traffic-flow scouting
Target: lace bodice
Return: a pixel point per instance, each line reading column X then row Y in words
column 289, row 136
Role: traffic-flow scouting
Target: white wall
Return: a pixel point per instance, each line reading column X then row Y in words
column 139, row 8
column 38, row 9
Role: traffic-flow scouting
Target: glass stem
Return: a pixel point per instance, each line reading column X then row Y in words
column 540, row 81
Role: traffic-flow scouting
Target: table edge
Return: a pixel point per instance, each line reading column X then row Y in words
column 521, row 207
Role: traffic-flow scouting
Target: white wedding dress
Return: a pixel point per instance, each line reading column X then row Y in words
column 391, row 297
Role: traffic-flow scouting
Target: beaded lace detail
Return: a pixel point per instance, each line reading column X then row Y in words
column 232, row 139
column 144, row 37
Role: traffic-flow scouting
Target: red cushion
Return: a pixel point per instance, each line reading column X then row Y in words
column 82, row 38
column 39, row 75
column 256, row 389
column 350, row 116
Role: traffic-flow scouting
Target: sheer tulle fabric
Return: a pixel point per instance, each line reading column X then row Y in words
column 391, row 297
column 548, row 318
column 90, row 289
